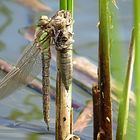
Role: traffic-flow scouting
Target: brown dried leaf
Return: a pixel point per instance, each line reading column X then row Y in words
column 35, row 5
column 84, row 118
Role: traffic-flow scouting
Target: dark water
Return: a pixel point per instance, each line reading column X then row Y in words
column 21, row 113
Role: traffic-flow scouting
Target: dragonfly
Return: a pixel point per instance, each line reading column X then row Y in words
column 63, row 40
column 27, row 66
column 55, row 30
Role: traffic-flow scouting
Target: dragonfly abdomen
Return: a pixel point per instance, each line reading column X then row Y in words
column 46, row 86
column 66, row 67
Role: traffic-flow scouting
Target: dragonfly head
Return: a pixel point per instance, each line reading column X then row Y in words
column 44, row 20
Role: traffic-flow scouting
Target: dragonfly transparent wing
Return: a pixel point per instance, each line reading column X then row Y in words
column 27, row 67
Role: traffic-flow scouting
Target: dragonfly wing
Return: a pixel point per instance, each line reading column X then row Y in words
column 8, row 84
column 28, row 66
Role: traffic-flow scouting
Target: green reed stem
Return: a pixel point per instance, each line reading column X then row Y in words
column 137, row 64
column 105, row 120
column 63, row 4
column 124, row 100
column 70, row 6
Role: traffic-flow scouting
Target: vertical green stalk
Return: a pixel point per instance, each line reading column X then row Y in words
column 63, row 97
column 137, row 64
column 105, row 122
column 70, row 6
column 63, row 4
column 124, row 100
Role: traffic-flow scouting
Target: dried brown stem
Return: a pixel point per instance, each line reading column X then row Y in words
column 64, row 76
column 96, row 110
column 63, row 108
column 104, row 72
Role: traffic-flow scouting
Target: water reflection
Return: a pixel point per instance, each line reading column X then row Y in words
column 34, row 113
column 2, row 45
column 35, row 136
column 6, row 19
column 32, row 136
column 7, row 14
